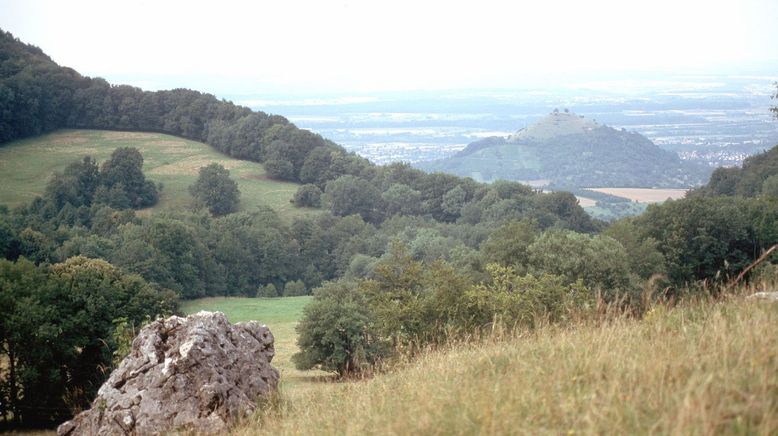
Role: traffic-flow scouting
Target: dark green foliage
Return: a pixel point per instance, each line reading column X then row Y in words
column 76, row 185
column 216, row 190
column 407, row 304
column 710, row 237
column 250, row 248
column 747, row 181
column 123, row 173
column 323, row 164
column 119, row 184
column 56, row 332
column 770, row 187
column 396, row 296
column 643, row 256
column 336, row 332
column 36, row 246
column 563, row 206
column 348, row 195
column 114, row 197
column 401, row 199
column 414, row 304
column 280, row 169
column 599, row 261
column 509, row 243
column 307, row 196
column 171, row 253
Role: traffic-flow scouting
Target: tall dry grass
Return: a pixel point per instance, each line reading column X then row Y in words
column 697, row 368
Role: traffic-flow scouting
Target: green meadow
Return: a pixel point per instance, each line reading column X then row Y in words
column 27, row 165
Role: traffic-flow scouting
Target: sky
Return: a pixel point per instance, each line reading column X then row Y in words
column 337, row 46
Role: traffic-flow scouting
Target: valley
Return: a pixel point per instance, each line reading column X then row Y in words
column 713, row 120
column 467, row 294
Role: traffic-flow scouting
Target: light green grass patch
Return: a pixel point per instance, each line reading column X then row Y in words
column 27, row 165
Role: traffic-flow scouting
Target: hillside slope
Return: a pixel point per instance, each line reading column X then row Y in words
column 758, row 175
column 28, row 164
column 701, row 368
column 565, row 150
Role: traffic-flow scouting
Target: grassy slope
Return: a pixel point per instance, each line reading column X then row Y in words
column 700, row 368
column 281, row 316
column 26, row 166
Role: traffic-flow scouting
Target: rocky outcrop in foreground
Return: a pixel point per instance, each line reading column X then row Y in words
column 194, row 373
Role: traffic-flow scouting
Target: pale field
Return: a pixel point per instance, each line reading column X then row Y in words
column 643, row 195
column 586, row 202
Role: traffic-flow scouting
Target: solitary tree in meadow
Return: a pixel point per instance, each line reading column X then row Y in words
column 215, row 190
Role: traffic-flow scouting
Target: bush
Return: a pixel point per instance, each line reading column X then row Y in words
column 216, row 190
column 279, row 169
column 295, row 288
column 521, row 301
column 307, row 196
column 267, row 291
column 600, row 261
column 336, row 332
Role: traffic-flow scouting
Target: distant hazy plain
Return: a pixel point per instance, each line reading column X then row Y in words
column 716, row 120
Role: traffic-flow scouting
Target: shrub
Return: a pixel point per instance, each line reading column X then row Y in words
column 295, row 288
column 279, row 169
column 336, row 332
column 600, row 261
column 307, row 196
column 520, row 301
column 267, row 291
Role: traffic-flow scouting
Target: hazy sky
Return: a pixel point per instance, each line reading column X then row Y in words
column 350, row 45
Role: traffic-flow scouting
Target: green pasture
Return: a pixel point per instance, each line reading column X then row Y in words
column 27, row 165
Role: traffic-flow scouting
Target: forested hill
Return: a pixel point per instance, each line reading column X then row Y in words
column 757, row 176
column 563, row 149
column 39, row 96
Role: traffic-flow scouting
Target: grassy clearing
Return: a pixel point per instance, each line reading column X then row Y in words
column 700, row 368
column 281, row 316
column 644, row 195
column 28, row 164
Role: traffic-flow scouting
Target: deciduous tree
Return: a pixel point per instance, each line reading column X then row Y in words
column 216, row 190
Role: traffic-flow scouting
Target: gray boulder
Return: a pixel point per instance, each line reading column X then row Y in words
column 194, row 373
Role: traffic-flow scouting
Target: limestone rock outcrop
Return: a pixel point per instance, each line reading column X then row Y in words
column 194, row 373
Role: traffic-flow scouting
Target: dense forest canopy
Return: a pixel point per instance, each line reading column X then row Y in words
column 396, row 258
